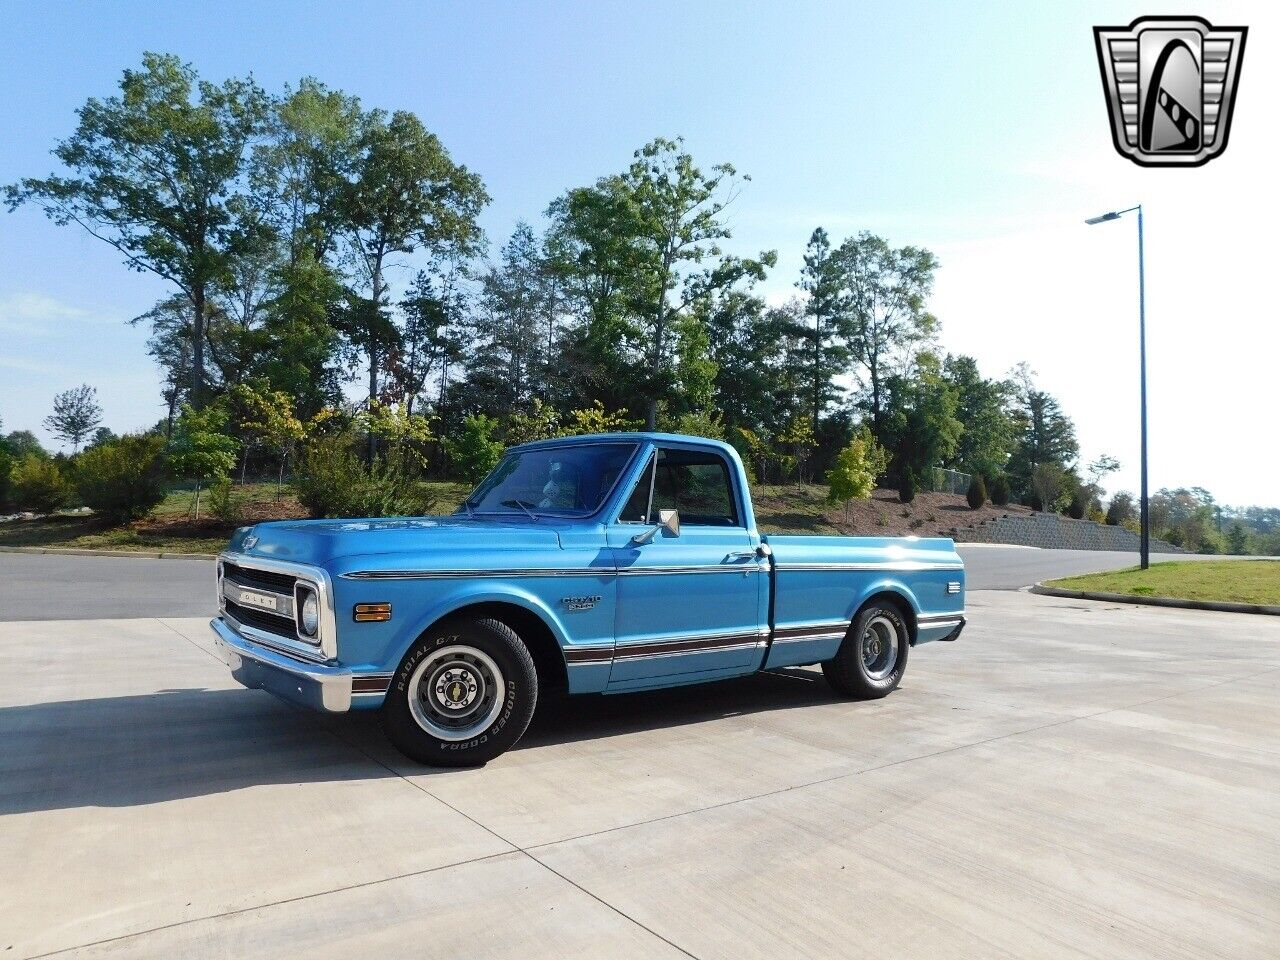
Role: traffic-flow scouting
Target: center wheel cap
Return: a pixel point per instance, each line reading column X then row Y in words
column 456, row 688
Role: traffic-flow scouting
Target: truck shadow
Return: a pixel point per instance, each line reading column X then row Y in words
column 180, row 743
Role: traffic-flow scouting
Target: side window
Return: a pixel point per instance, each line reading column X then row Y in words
column 637, row 505
column 696, row 483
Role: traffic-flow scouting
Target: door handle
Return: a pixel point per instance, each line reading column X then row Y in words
column 742, row 555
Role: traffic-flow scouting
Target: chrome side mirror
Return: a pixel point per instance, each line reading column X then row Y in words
column 668, row 520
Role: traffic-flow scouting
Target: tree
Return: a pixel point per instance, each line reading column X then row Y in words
column 827, row 307
column 201, row 448
column 1120, row 511
column 886, row 292
column 988, row 438
column 510, row 357
column 856, row 468
column 155, row 172
column 23, row 442
column 269, row 415
column 919, row 423
column 405, row 193
column 1045, row 435
column 675, row 211
column 1237, row 539
column 76, row 414
column 1048, row 487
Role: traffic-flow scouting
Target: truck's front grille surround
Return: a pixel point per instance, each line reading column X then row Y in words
column 280, row 630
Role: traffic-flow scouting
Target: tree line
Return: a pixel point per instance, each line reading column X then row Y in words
column 317, row 248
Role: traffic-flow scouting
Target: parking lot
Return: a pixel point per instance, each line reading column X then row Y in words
column 1071, row 779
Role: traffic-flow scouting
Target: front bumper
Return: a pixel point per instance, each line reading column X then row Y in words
column 259, row 667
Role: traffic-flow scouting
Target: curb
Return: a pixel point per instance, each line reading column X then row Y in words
column 1214, row 605
column 135, row 554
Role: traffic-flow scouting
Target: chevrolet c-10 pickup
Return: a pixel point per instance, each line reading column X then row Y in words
column 594, row 564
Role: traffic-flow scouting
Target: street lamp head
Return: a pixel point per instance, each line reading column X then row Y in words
column 1113, row 215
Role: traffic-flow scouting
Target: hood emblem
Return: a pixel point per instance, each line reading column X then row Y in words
column 249, row 542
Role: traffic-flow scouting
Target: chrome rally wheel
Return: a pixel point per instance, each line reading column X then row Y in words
column 879, row 645
column 456, row 692
column 873, row 657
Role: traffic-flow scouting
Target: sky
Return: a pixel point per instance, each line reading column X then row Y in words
column 976, row 130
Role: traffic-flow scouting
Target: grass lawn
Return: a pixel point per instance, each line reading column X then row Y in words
column 1232, row 581
column 86, row 533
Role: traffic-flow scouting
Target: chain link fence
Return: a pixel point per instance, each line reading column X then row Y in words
column 951, row 481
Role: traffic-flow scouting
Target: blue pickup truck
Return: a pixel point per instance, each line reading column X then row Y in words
column 596, row 564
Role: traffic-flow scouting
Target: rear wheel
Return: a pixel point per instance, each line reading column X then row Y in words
column 873, row 656
column 462, row 695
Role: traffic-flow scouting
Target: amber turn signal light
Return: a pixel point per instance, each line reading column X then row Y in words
column 372, row 612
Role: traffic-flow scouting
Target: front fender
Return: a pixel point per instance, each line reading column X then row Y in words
column 466, row 596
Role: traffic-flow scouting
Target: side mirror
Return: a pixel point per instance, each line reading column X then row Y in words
column 668, row 520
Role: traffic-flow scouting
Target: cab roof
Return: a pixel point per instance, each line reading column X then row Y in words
column 644, row 436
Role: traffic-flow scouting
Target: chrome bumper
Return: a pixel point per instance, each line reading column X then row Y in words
column 259, row 667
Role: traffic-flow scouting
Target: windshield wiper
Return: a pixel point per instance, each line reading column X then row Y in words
column 523, row 506
column 466, row 505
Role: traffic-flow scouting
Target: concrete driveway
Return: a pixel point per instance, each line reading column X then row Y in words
column 1071, row 779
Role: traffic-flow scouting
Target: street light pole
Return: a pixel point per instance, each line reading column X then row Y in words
column 1144, row 549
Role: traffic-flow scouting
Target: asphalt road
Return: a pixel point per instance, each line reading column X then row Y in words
column 1068, row 780
column 59, row 587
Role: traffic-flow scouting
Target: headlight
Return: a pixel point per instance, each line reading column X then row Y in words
column 309, row 616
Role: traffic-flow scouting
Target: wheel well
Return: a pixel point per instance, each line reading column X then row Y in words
column 898, row 601
column 548, row 658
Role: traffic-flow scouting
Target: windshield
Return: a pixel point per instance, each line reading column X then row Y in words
column 567, row 481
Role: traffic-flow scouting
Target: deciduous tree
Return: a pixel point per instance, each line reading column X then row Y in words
column 76, row 414
column 157, row 173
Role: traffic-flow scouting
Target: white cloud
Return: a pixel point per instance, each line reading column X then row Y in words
column 36, row 314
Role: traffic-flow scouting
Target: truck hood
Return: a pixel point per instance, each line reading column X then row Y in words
column 320, row 541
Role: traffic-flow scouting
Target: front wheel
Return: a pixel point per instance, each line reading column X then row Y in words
column 873, row 656
column 462, row 695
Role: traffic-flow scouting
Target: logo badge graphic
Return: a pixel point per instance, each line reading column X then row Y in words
column 1171, row 85
column 250, row 542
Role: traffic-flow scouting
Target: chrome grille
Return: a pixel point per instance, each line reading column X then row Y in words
column 262, row 599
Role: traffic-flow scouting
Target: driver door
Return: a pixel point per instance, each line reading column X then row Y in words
column 690, row 607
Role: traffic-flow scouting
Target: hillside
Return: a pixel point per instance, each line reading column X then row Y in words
column 804, row 509
column 779, row 509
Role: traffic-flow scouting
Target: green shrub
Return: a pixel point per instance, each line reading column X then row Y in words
column 474, row 452
column 1076, row 509
column 907, row 487
column 977, row 494
column 123, row 479
column 38, row 484
column 225, row 504
column 6, row 468
column 1000, row 491
column 333, row 481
